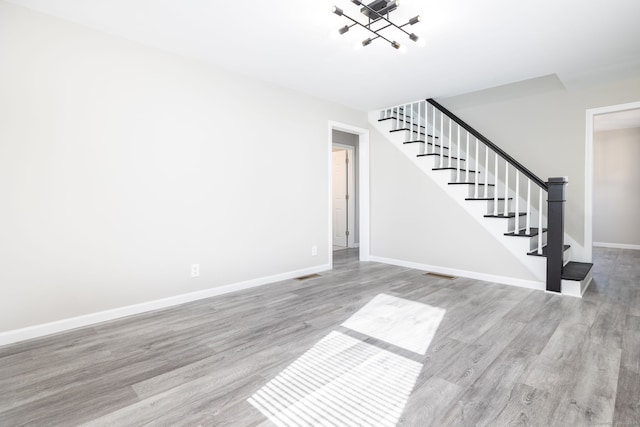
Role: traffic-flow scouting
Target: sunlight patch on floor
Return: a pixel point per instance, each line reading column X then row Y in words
column 407, row 324
column 339, row 381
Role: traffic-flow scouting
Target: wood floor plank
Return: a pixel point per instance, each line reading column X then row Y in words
column 590, row 399
column 535, row 336
column 608, row 325
column 627, row 407
column 630, row 359
column 474, row 359
column 484, row 399
column 428, row 403
column 528, row 406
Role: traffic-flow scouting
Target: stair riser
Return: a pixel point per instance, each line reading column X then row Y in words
column 481, row 191
column 445, row 162
column 522, row 221
column 533, row 242
column 453, row 174
column 435, row 150
column 500, row 206
column 407, row 135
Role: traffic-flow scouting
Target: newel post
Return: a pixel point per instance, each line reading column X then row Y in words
column 555, row 232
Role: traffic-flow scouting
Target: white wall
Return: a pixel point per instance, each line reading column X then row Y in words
column 542, row 124
column 616, row 186
column 121, row 165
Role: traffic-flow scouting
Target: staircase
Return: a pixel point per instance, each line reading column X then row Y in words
column 524, row 212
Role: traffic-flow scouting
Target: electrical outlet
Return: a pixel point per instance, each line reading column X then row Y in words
column 314, row 250
column 195, row 270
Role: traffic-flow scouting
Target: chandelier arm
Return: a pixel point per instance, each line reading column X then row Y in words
column 369, row 29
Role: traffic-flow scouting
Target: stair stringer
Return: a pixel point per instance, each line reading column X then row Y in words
column 517, row 246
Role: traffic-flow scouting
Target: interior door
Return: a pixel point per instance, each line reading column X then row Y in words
column 339, row 180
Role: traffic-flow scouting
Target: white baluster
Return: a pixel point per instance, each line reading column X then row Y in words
column 506, row 188
column 422, row 147
column 528, row 230
column 417, row 120
column 419, row 126
column 421, row 122
column 412, row 123
column 466, row 155
column 407, row 117
column 539, row 220
column 394, row 118
column 516, row 229
column 486, row 171
column 433, row 130
column 475, row 184
column 495, row 190
column 459, row 157
column 441, row 139
column 422, row 110
column 450, row 153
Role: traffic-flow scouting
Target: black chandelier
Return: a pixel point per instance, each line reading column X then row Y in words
column 377, row 11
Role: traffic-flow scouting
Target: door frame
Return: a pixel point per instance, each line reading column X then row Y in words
column 588, row 193
column 352, row 191
column 363, row 187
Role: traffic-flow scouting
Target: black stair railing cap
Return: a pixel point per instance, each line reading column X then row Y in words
column 558, row 180
column 533, row 177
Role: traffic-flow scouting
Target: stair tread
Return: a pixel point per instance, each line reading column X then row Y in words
column 533, row 231
column 576, row 270
column 502, row 215
column 409, row 130
column 437, row 154
column 452, row 169
column 486, row 198
column 395, row 118
column 436, row 145
column 480, row 184
column 415, row 141
column 544, row 251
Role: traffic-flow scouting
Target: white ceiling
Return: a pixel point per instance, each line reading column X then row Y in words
column 469, row 44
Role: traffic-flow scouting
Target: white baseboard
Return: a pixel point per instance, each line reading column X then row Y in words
column 513, row 281
column 36, row 331
column 616, row 245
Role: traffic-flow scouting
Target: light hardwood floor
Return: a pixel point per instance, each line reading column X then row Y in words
column 280, row 354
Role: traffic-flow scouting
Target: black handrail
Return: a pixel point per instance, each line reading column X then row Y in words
column 490, row 144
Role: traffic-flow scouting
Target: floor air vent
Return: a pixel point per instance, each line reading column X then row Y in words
column 308, row 276
column 442, row 276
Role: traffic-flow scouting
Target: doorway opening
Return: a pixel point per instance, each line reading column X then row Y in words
column 344, row 193
column 612, row 141
column 348, row 190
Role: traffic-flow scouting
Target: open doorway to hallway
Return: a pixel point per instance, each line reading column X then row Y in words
column 344, row 190
column 605, row 119
column 616, row 179
column 345, row 136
